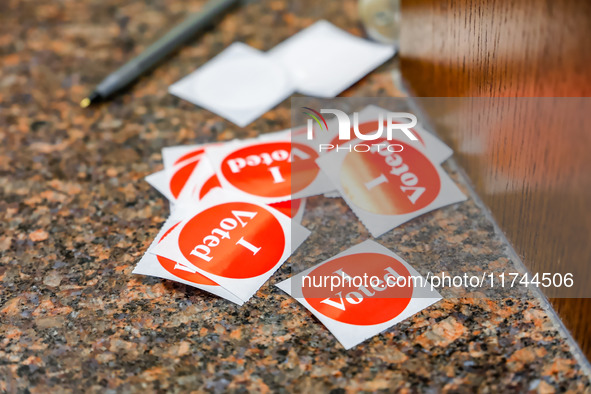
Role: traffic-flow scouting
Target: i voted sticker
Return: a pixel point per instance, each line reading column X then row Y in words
column 162, row 267
column 361, row 292
column 222, row 238
column 203, row 180
column 270, row 171
column 390, row 183
column 369, row 303
column 171, row 266
column 387, row 187
column 235, row 243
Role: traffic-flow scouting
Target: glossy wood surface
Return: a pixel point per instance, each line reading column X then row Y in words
column 528, row 161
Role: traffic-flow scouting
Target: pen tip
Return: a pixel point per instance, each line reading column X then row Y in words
column 85, row 102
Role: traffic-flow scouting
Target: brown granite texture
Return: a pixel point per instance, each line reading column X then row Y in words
column 75, row 216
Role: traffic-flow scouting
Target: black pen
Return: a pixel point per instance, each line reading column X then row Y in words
column 159, row 50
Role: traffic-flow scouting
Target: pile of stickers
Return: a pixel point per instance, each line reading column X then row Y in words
column 236, row 209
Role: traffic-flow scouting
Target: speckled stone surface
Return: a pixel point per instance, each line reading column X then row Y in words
column 75, row 216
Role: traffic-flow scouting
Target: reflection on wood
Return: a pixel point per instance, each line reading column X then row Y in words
column 528, row 159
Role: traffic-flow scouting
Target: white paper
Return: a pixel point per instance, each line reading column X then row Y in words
column 324, row 60
column 240, row 84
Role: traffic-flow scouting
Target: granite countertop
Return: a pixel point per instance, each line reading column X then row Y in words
column 76, row 216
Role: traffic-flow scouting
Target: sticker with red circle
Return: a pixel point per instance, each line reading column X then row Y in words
column 361, row 292
column 170, row 266
column 361, row 305
column 203, row 180
column 180, row 176
column 388, row 184
column 162, row 267
column 236, row 243
column 180, row 165
column 269, row 170
column 221, row 240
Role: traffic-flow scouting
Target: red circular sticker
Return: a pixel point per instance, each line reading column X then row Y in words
column 372, row 296
column 388, row 183
column 169, row 265
column 234, row 240
column 271, row 169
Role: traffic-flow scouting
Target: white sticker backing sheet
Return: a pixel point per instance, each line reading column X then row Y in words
column 337, row 59
column 242, row 83
column 361, row 292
